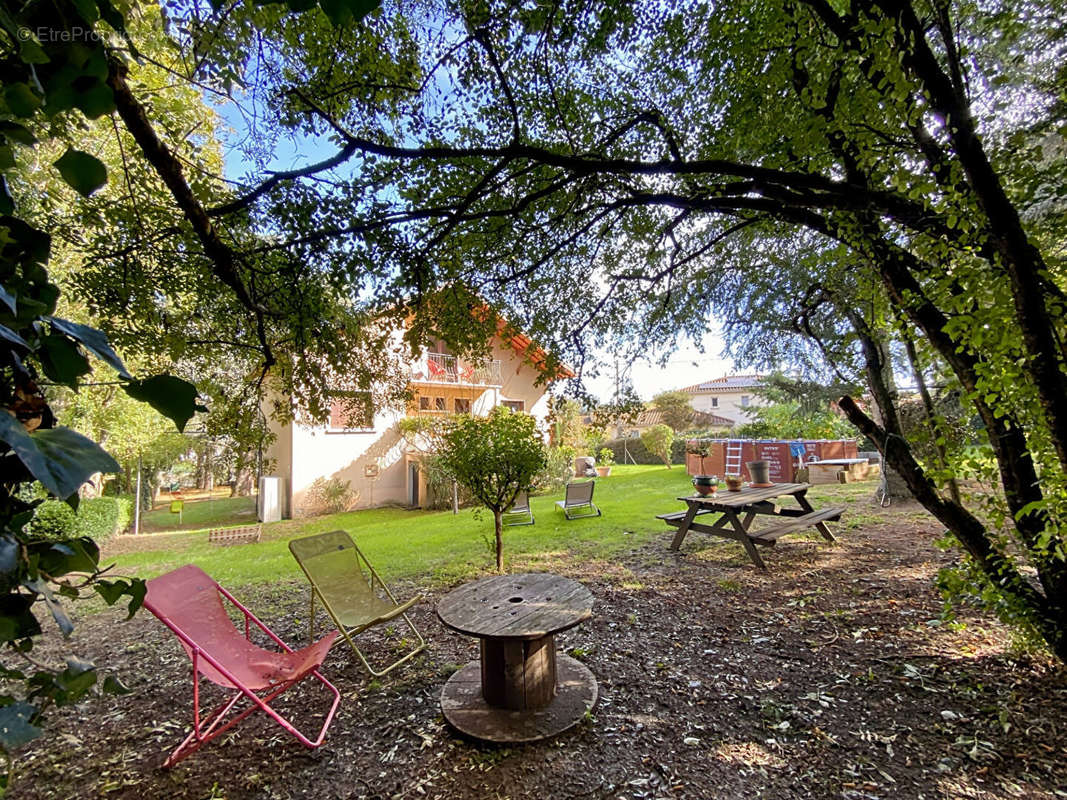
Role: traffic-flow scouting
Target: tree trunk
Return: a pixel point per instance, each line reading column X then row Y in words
column 969, row 531
column 498, row 523
column 242, row 481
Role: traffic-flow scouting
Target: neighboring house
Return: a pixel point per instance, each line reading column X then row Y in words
column 374, row 456
column 732, row 397
column 653, row 416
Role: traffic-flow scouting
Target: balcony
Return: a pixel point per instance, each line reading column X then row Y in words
column 443, row 368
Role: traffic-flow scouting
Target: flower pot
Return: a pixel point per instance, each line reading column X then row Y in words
column 603, row 472
column 705, row 484
column 733, row 483
column 759, row 472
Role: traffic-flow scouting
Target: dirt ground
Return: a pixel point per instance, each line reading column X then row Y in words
column 830, row 676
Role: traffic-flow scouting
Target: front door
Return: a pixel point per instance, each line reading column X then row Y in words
column 413, row 482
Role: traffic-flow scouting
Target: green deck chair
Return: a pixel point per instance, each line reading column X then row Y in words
column 350, row 590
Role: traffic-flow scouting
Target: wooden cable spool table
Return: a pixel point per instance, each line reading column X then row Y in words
column 520, row 690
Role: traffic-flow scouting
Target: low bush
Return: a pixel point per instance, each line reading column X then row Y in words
column 99, row 518
column 632, row 451
column 329, row 496
column 53, row 519
column 559, row 468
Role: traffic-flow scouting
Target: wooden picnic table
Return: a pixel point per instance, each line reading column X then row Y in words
column 737, row 510
column 520, row 690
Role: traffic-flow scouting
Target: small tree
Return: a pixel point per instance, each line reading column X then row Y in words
column 658, row 440
column 676, row 409
column 495, row 458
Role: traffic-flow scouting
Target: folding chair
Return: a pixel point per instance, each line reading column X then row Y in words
column 189, row 602
column 579, row 495
column 345, row 582
column 519, row 513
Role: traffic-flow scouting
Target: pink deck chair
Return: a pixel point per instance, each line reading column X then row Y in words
column 189, row 602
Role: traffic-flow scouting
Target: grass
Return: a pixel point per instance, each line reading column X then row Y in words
column 445, row 547
column 214, row 512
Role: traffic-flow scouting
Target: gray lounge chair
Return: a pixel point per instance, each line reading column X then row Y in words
column 519, row 513
column 579, row 496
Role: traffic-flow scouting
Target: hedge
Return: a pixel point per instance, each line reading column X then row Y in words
column 99, row 518
column 640, row 454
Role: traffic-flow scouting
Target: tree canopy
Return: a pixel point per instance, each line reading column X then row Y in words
column 863, row 188
column 494, row 458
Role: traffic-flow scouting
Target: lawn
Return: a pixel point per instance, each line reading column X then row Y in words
column 209, row 512
column 443, row 547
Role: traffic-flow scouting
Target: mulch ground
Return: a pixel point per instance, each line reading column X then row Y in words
column 831, row 675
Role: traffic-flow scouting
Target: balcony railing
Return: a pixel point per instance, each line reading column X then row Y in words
column 443, row 368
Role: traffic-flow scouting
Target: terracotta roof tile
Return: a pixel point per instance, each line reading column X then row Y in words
column 727, row 383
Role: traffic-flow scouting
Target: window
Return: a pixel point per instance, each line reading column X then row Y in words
column 352, row 412
column 432, row 403
column 744, row 400
column 462, row 405
column 518, row 406
column 715, row 402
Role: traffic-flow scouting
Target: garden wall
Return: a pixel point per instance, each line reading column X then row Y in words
column 784, row 457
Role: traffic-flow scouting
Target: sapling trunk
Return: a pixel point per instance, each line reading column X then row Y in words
column 498, row 522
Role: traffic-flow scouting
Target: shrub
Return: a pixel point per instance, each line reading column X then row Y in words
column 329, row 496
column 439, row 484
column 103, row 517
column 99, row 518
column 632, row 451
column 658, row 440
column 559, row 468
column 53, row 519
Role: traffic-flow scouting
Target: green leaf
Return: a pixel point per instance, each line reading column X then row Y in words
column 16, row 619
column 83, row 172
column 113, row 685
column 61, row 558
column 9, row 335
column 15, row 727
column 87, row 10
column 94, row 340
column 111, row 15
column 61, row 459
column 7, row 202
column 113, row 591
column 31, row 52
column 62, row 361
column 59, row 614
column 21, row 99
column 172, row 397
column 137, row 591
column 9, row 562
column 9, row 299
column 342, row 12
column 76, row 679
column 96, row 100
column 17, row 133
column 7, row 157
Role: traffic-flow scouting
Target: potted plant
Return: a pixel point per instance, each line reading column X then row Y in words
column 703, row 483
column 605, row 458
column 759, row 472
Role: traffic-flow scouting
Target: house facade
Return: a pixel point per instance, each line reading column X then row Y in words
column 650, row 417
column 732, row 397
column 381, row 464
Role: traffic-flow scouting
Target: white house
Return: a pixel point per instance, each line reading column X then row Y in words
column 731, row 396
column 372, row 454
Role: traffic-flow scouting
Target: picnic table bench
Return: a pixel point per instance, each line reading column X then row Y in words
column 241, row 535
column 751, row 502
